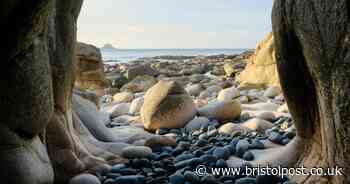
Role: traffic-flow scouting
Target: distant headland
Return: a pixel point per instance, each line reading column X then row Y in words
column 108, row 46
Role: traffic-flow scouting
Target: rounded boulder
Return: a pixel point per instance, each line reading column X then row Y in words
column 167, row 105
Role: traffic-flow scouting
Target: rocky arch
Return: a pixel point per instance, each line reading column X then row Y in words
column 42, row 138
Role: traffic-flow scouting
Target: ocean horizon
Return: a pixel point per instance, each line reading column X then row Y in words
column 127, row 55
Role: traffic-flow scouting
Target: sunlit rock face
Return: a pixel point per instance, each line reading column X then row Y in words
column 262, row 68
column 89, row 68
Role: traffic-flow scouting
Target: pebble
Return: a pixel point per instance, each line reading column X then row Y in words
column 191, row 177
column 131, row 179
column 117, row 168
column 249, row 156
column 222, row 152
column 285, row 141
column 275, row 137
column 177, row 179
column 221, row 163
column 201, row 143
column 246, row 180
column 256, row 144
column 183, row 157
column 241, row 147
column 267, row 179
column 209, row 179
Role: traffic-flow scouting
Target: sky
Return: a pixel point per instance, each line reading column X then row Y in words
column 175, row 23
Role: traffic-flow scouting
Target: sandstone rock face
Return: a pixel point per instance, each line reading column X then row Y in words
column 262, row 67
column 222, row 110
column 167, row 105
column 90, row 70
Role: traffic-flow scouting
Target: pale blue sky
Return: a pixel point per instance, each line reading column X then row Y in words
column 175, row 23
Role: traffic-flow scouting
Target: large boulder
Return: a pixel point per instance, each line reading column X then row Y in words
column 140, row 70
column 89, row 68
column 167, row 105
column 262, row 68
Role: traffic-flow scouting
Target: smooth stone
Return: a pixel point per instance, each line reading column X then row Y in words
column 204, row 95
column 222, row 153
column 117, row 168
column 136, row 152
column 194, row 90
column 256, row 144
column 264, row 106
column 113, row 175
column 285, row 141
column 221, row 110
column 275, row 137
column 131, row 179
column 267, row 179
column 257, row 124
column 194, row 162
column 272, row 92
column 184, row 145
column 289, row 182
column 183, row 157
column 249, row 156
column 118, row 109
column 167, row 105
column 191, row 177
column 162, row 131
column 208, row 159
column 136, row 105
column 283, row 108
column 127, row 171
column 159, row 141
column 176, row 179
column 228, row 94
column 243, row 99
column 242, row 147
column 159, row 171
column 232, row 128
column 221, row 163
column 109, row 181
column 85, row 179
column 203, row 136
column 163, row 156
column 209, row 179
column 198, row 153
column 197, row 123
column 228, row 178
column 246, row 180
column 123, row 97
column 289, row 135
column 140, row 163
column 212, row 133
